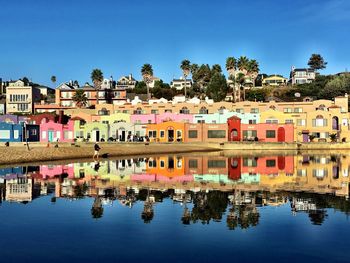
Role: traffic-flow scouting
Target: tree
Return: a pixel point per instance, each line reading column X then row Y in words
column 316, row 62
column 80, row 98
column 26, row 81
column 217, row 87
column 53, row 80
column 97, row 78
column 240, row 79
column 255, row 94
column 202, row 75
column 194, row 69
column 337, row 86
column 186, row 68
column 216, row 68
column 162, row 90
column 147, row 74
column 140, row 88
column 231, row 65
column 97, row 208
column 253, row 70
column 242, row 64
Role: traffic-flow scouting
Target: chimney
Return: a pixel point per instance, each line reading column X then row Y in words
column 130, row 76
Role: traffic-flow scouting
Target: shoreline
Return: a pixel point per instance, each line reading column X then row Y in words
column 17, row 153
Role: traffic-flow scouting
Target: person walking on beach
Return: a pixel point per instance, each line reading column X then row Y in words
column 97, row 149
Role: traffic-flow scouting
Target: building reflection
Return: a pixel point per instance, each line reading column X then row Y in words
column 209, row 188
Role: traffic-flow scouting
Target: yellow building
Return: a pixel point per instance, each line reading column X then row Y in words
column 274, row 80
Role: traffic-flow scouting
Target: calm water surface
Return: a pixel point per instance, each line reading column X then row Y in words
column 178, row 209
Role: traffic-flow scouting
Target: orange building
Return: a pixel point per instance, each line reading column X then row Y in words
column 168, row 131
column 205, row 132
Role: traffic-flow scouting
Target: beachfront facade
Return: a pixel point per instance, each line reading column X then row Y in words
column 56, row 132
column 302, row 75
column 20, row 98
column 21, row 132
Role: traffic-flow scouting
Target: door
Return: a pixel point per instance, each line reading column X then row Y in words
column 96, row 136
column 170, row 135
column 50, row 135
column 281, row 134
column 123, row 136
column 305, row 137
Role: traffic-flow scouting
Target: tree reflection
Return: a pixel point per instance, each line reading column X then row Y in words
column 97, row 209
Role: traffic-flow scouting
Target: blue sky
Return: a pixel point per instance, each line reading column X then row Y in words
column 69, row 38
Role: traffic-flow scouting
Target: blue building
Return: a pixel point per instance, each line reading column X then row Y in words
column 15, row 132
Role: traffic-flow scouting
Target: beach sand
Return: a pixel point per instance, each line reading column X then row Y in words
column 18, row 154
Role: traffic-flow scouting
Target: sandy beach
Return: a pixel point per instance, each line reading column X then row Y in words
column 18, row 153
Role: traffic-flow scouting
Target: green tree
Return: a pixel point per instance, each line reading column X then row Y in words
column 240, row 80
column 203, row 76
column 140, row 88
column 26, row 81
column 162, row 90
column 186, row 68
column 97, row 78
column 231, row 66
column 216, row 68
column 255, row 94
column 97, row 208
column 317, row 62
column 80, row 98
column 338, row 86
column 217, row 88
column 194, row 69
column 253, row 70
column 53, row 80
column 242, row 64
column 147, row 75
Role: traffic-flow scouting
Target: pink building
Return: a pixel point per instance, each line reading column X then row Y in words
column 50, row 171
column 160, row 178
column 143, row 118
column 52, row 132
column 159, row 118
column 168, row 116
column 265, row 132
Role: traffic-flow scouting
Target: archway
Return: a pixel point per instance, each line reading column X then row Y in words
column 335, row 123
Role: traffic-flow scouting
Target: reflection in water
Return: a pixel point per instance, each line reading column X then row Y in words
column 210, row 189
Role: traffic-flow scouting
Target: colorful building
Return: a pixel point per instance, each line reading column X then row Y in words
column 56, row 132
column 169, row 131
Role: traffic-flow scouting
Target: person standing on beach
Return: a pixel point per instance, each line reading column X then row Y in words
column 97, row 149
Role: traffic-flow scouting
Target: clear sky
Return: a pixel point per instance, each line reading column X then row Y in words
column 69, row 38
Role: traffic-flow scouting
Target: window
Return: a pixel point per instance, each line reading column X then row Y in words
column 193, row 134
column 298, row 110
column 250, row 162
column 250, row 134
column 289, row 121
column 154, row 111
column 301, row 122
column 192, row 163
column 167, row 110
column 185, row 110
column 254, row 110
column 203, row 110
column 43, row 135
column 287, row 110
column 4, row 134
column 252, row 121
column 178, row 134
column 240, row 110
column 201, row 121
column 270, row 163
column 152, row 163
column 33, row 132
column 216, row 134
column 162, row 164
column 162, row 134
column 270, row 134
column 319, row 121
column 152, row 134
column 272, row 121
column 216, row 163
column 15, row 134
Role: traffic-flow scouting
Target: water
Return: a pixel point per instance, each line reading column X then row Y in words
column 178, row 209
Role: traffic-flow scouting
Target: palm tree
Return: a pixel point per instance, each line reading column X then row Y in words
column 80, row 98
column 147, row 74
column 253, row 70
column 242, row 64
column 240, row 79
column 186, row 68
column 97, row 78
column 53, row 80
column 97, row 208
column 231, row 65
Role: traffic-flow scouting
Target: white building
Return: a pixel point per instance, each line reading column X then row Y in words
column 302, row 75
column 126, row 82
column 179, row 84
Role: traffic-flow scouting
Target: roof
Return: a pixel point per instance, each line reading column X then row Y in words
column 304, row 69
